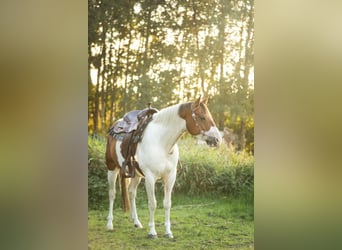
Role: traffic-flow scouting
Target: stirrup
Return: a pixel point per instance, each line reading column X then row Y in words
column 126, row 171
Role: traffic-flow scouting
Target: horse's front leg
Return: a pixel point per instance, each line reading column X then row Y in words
column 152, row 204
column 132, row 189
column 169, row 182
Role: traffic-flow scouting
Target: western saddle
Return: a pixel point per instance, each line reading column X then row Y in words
column 130, row 131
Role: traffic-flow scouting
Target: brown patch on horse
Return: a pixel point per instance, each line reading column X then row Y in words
column 112, row 163
column 185, row 113
column 197, row 116
column 111, row 157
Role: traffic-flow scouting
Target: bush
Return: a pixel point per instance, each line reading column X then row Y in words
column 235, row 181
column 214, row 170
column 195, row 178
column 97, row 188
column 97, row 174
column 96, row 152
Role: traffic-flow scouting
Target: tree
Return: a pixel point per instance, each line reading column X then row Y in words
column 171, row 51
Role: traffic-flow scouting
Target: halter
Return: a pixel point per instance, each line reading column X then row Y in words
column 195, row 117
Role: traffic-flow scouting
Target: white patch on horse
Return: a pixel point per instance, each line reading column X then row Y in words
column 118, row 152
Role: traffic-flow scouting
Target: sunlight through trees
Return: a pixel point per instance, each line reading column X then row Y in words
column 168, row 51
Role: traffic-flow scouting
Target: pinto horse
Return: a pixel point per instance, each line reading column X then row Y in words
column 157, row 155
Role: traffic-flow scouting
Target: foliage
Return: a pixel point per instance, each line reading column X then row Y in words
column 97, row 188
column 167, row 52
column 211, row 170
column 204, row 171
column 97, row 174
column 96, row 152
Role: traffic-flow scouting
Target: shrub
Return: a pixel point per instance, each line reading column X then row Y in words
column 97, row 188
column 235, row 181
column 214, row 170
column 195, row 178
column 96, row 152
column 97, row 174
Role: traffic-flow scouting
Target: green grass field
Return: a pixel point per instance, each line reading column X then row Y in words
column 197, row 223
column 212, row 203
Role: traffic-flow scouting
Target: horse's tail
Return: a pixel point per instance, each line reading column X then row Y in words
column 125, row 204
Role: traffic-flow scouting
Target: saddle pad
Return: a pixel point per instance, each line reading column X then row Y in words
column 116, row 136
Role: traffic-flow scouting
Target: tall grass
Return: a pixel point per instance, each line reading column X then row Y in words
column 204, row 171
column 214, row 170
column 97, row 173
column 96, row 152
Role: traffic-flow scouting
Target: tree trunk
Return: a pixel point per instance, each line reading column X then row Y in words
column 96, row 102
column 126, row 87
column 222, row 94
column 145, row 89
column 103, row 88
column 248, row 49
column 243, row 134
column 90, row 85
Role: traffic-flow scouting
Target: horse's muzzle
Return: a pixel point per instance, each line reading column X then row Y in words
column 212, row 141
column 212, row 137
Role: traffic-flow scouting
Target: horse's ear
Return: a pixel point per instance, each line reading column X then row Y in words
column 197, row 102
column 205, row 101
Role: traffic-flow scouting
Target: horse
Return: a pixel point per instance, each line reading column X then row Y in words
column 157, row 154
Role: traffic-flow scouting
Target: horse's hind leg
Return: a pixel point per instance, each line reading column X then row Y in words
column 132, row 189
column 112, row 176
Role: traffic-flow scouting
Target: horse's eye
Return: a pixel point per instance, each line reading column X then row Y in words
column 202, row 118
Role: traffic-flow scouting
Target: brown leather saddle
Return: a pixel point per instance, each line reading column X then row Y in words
column 130, row 130
column 130, row 121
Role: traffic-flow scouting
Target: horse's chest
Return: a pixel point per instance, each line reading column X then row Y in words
column 157, row 161
column 155, row 158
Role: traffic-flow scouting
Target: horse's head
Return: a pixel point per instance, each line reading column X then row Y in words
column 200, row 122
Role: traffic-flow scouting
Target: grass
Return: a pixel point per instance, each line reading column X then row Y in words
column 212, row 203
column 197, row 223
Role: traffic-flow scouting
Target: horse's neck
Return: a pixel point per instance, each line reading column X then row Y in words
column 170, row 127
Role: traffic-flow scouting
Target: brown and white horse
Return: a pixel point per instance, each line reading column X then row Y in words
column 157, row 155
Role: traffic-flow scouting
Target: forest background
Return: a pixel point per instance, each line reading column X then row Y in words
column 167, row 52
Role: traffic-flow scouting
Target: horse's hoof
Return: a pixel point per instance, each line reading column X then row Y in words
column 138, row 226
column 152, row 236
column 110, row 228
column 170, row 236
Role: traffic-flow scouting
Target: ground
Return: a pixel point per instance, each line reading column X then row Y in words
column 197, row 223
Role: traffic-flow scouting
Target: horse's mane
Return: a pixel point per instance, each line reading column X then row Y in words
column 167, row 114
